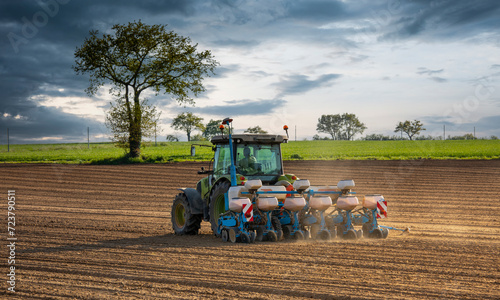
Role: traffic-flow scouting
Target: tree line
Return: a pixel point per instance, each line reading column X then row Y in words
column 188, row 122
column 339, row 127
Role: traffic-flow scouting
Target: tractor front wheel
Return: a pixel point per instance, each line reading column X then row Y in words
column 217, row 204
column 183, row 221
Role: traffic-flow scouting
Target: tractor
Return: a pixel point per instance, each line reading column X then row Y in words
column 238, row 158
column 247, row 197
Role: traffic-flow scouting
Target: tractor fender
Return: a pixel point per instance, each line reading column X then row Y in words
column 194, row 200
column 219, row 180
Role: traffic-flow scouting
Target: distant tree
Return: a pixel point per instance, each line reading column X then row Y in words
column 136, row 57
column 172, row 138
column 330, row 124
column 340, row 127
column 411, row 128
column 212, row 129
column 427, row 138
column 376, row 137
column 493, row 137
column 255, row 129
column 468, row 136
column 316, row 137
column 351, row 126
column 188, row 122
column 198, row 138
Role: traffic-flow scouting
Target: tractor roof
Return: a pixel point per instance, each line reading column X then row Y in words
column 251, row 138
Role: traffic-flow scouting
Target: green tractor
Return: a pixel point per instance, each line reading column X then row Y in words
column 255, row 156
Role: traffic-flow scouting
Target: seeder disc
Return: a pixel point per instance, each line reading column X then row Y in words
column 324, row 235
column 271, row 235
column 232, row 235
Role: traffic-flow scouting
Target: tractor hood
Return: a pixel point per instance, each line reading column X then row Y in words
column 250, row 138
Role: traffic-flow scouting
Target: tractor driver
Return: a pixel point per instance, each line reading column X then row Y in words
column 247, row 163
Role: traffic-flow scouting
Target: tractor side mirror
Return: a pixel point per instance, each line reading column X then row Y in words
column 203, row 171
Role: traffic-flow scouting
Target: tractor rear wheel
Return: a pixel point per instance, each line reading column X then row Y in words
column 183, row 221
column 217, row 204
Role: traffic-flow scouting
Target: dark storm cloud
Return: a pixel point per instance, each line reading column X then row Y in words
column 299, row 84
column 317, row 11
column 43, row 122
column 449, row 19
column 239, row 108
column 38, row 40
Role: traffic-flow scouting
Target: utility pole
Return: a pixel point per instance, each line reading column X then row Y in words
column 474, row 132
column 444, row 132
column 295, row 132
column 8, row 142
column 155, row 136
column 88, row 137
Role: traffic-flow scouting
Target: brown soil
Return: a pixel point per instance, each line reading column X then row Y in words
column 103, row 232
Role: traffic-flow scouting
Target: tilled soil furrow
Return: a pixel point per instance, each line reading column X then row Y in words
column 104, row 232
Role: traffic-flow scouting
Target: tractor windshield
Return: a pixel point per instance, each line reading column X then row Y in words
column 258, row 160
column 261, row 161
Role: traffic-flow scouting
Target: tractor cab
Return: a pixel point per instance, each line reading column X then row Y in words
column 238, row 158
column 256, row 156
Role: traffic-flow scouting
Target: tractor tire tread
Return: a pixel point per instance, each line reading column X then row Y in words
column 192, row 221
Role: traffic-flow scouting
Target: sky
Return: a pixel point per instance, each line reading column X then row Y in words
column 281, row 62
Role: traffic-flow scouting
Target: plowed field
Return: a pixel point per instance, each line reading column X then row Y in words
column 103, row 232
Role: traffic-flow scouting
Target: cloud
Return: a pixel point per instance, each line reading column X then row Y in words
column 300, row 84
column 439, row 79
column 224, row 71
column 48, row 124
column 445, row 19
column 487, row 126
column 316, row 11
column 236, row 43
column 235, row 108
column 425, row 71
column 429, row 72
column 36, row 55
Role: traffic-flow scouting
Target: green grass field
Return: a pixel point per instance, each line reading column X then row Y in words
column 106, row 153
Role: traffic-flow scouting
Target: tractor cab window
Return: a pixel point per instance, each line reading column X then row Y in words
column 258, row 159
column 222, row 160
